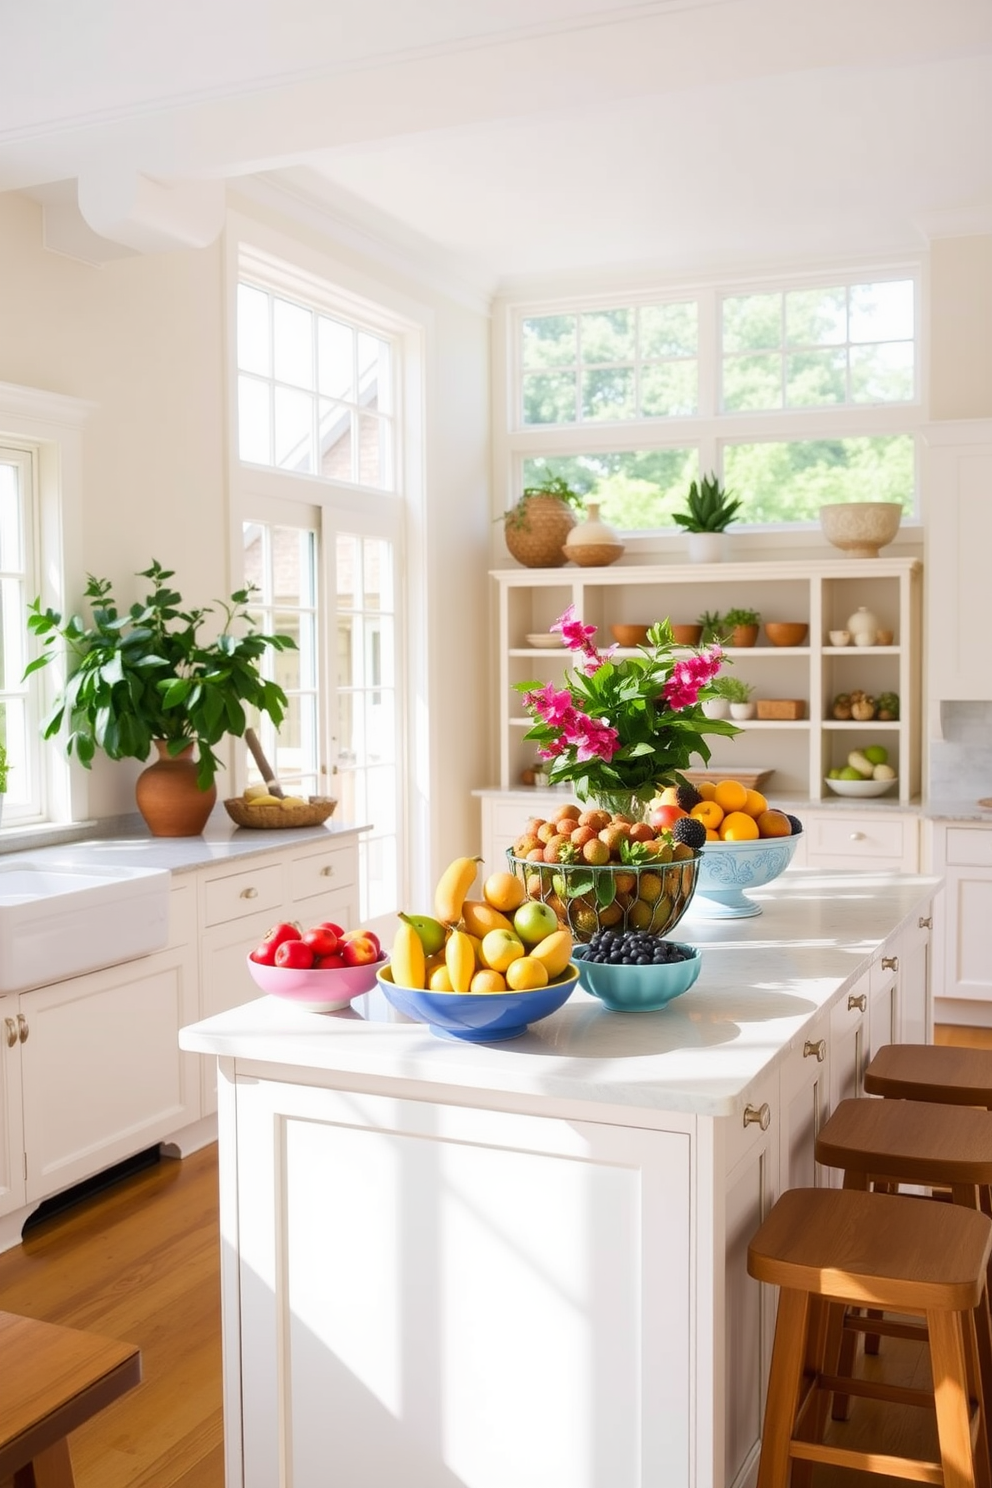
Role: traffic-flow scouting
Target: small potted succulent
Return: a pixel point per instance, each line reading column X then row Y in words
column 537, row 527
column 709, row 511
column 737, row 693
column 741, row 627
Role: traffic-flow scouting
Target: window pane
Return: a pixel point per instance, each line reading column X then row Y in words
column 752, row 322
column 816, row 317
column 13, row 633
column 292, row 566
column 550, row 341
column 608, row 393
column 607, row 336
column 637, row 490
column 336, row 441
column 254, row 349
column 382, row 888
column 14, row 735
column 882, row 312
column 549, row 398
column 378, row 575
column 790, row 481
column 293, row 431
column 374, row 461
column 815, row 377
column 254, row 421
column 669, row 388
column 752, row 382
column 669, row 330
column 292, row 333
column 335, row 358
column 254, row 556
column 380, row 729
column 882, row 374
column 11, row 542
column 348, row 571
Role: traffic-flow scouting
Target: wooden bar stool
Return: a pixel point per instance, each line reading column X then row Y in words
column 895, row 1142
column 52, row 1379
column 931, row 1072
column 829, row 1249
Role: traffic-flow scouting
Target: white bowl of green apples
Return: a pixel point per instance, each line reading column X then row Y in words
column 866, row 773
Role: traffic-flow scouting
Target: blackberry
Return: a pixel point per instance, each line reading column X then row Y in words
column 634, row 948
column 687, row 796
column 689, row 831
column 794, row 823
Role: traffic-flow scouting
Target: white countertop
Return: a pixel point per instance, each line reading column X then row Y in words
column 762, row 980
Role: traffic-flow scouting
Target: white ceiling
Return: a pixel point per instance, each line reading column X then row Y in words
column 521, row 139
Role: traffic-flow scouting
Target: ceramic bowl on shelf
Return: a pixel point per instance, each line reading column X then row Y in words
column 728, row 868
column 786, row 632
column 544, row 640
column 479, row 1017
column 860, row 528
column 315, row 990
column 840, row 637
column 638, row 989
column 859, row 787
column 630, row 635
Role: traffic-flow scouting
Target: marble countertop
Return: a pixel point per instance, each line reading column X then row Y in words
column 761, row 982
column 127, row 841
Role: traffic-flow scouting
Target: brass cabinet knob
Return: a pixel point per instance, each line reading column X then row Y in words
column 10, row 1032
column 926, row 922
column 819, row 1049
column 857, row 836
column 890, row 963
column 857, row 1004
column 761, row 1114
column 327, row 872
column 249, row 893
column 22, row 1028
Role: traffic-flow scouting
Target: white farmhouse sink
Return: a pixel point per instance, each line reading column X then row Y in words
column 60, row 920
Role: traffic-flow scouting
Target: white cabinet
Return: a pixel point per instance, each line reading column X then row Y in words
column 11, row 1121
column 958, row 492
column 821, row 594
column 881, row 840
column 962, row 854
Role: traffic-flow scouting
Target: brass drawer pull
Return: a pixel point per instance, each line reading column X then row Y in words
column 819, row 1048
column 327, row 872
column 857, row 836
column 890, row 963
column 926, row 922
column 22, row 1028
column 857, row 1004
column 249, row 893
column 10, row 1033
column 761, row 1114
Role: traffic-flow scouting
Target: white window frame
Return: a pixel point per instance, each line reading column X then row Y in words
column 711, row 431
column 49, row 427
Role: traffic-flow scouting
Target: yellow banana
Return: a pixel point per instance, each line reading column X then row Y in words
column 459, row 958
column 479, row 918
column 407, row 960
column 452, row 887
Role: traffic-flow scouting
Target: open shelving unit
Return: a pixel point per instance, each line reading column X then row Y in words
column 823, row 594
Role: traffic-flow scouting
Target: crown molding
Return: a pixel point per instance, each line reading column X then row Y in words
column 40, row 407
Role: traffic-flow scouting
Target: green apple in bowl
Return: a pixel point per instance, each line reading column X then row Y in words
column 533, row 921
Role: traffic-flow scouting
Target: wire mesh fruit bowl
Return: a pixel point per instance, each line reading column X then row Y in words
column 615, row 896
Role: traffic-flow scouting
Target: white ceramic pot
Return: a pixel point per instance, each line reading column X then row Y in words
column 707, row 547
column 593, row 543
column 716, row 707
column 863, row 626
column 742, row 710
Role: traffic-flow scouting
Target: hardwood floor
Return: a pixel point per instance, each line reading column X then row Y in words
column 140, row 1262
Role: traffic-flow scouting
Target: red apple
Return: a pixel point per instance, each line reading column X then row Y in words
column 322, row 940
column 295, row 954
column 333, row 962
column 351, row 934
column 664, row 816
column 265, row 952
column 337, row 930
column 360, row 949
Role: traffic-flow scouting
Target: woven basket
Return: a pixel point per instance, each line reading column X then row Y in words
column 536, row 530
column 272, row 818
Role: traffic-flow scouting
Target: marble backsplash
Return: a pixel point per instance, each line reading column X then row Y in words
column 961, row 762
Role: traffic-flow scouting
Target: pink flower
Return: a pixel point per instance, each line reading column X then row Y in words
column 575, row 635
column 550, row 704
column 688, row 676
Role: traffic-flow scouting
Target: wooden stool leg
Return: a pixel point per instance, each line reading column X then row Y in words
column 976, row 1387
column 848, row 1353
column 816, row 1347
column 784, row 1383
column 950, row 1385
column 49, row 1469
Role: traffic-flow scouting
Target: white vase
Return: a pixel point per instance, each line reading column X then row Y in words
column 593, row 543
column 706, row 547
column 716, row 707
column 742, row 710
column 863, row 626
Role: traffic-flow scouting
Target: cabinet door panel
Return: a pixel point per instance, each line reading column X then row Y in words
column 11, row 1129
column 239, row 895
column 480, row 1310
column 969, row 904
column 322, row 873
column 749, row 1310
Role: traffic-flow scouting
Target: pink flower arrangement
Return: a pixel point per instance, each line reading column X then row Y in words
column 628, row 726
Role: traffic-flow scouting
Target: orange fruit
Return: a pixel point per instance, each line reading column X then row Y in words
column 709, row 813
column 439, row 980
column 737, row 826
column 774, row 824
column 731, row 795
column 526, row 974
column 755, row 804
column 504, row 891
column 712, row 836
column 706, row 789
column 487, row 981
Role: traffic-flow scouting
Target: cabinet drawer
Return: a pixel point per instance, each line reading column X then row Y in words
column 320, row 872
column 240, row 894
column 969, row 847
column 875, row 840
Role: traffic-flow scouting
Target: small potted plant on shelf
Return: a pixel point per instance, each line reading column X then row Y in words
column 741, row 627
column 712, row 629
column 737, row 693
column 709, row 511
column 537, row 527
column 145, row 677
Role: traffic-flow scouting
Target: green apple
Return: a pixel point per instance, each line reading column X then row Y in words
column 877, row 754
column 850, row 773
column 533, row 921
column 833, row 774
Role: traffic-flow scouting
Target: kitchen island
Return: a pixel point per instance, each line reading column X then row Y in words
column 523, row 1265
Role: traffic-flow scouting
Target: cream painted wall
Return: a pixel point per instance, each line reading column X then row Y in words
column 961, row 327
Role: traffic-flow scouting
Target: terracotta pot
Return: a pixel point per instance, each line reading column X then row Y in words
column 744, row 635
column 687, row 635
column 536, row 530
column 169, row 798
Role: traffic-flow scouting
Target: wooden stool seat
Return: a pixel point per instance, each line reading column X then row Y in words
column 828, row 1249
column 52, row 1379
column 909, row 1142
column 931, row 1072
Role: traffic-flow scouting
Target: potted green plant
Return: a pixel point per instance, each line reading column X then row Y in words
column 712, row 628
column 709, row 510
column 737, row 693
column 146, row 677
column 537, row 527
column 741, row 626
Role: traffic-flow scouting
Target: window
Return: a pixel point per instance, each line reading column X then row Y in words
column 796, row 395
column 18, row 586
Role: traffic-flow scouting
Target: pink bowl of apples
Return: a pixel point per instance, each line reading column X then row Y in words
column 320, row 970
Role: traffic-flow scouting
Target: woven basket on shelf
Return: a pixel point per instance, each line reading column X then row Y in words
column 271, row 818
column 536, row 529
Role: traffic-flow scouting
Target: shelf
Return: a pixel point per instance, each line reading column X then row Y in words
column 891, row 725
